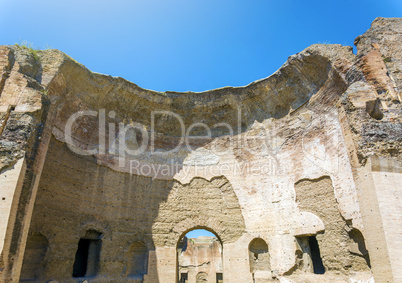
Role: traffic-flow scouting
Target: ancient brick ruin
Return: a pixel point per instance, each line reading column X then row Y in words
column 200, row 260
column 298, row 175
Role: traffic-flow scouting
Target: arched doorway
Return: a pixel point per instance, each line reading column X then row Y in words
column 259, row 260
column 259, row 256
column 137, row 261
column 199, row 256
column 357, row 246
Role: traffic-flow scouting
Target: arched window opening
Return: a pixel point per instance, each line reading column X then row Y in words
column 199, row 255
column 259, row 256
column 202, row 277
column 35, row 252
column 358, row 245
column 137, row 265
column 86, row 262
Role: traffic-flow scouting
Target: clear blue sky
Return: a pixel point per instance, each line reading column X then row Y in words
column 199, row 232
column 185, row 45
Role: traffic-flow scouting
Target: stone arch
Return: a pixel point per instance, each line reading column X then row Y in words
column 203, row 257
column 144, row 239
column 259, row 255
column 199, row 203
column 357, row 245
column 137, row 260
column 99, row 227
column 202, row 277
column 35, row 252
column 188, row 225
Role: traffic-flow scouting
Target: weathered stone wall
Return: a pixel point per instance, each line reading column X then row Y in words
column 317, row 196
column 24, row 134
column 76, row 195
column 371, row 123
column 313, row 150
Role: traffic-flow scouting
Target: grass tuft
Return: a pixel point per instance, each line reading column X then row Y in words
column 31, row 49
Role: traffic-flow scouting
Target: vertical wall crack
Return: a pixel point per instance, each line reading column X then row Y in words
column 3, row 125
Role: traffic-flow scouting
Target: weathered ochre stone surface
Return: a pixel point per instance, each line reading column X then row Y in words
column 317, row 196
column 24, row 139
column 312, row 150
column 371, row 120
column 385, row 36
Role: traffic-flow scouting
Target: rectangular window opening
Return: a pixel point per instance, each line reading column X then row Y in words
column 219, row 277
column 183, row 278
column 316, row 256
column 87, row 258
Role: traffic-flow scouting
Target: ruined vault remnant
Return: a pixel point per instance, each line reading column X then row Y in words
column 297, row 175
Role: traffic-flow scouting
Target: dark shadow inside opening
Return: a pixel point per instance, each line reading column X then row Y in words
column 316, row 256
column 86, row 262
